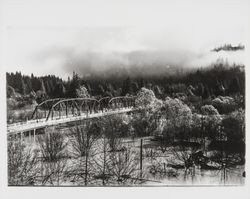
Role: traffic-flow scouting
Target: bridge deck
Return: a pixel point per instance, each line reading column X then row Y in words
column 41, row 123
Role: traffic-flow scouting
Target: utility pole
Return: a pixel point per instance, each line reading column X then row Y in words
column 104, row 160
column 141, row 157
column 224, row 173
column 203, row 133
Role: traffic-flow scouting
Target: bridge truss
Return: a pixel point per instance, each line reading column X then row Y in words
column 71, row 107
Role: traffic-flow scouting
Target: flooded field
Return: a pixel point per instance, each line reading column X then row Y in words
column 138, row 162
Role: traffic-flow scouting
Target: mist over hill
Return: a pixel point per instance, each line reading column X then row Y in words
column 144, row 63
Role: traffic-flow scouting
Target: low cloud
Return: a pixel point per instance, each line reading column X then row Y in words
column 135, row 63
column 116, row 51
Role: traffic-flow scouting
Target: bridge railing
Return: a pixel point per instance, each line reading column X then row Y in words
column 73, row 107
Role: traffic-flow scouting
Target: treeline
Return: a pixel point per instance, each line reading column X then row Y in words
column 219, row 79
column 24, row 84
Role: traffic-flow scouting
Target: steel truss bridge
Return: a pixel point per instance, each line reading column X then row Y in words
column 64, row 110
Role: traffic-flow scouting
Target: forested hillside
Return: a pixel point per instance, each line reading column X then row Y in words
column 219, row 79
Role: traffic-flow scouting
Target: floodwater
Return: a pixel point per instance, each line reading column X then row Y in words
column 200, row 178
column 165, row 175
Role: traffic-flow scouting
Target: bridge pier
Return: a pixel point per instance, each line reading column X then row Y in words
column 30, row 136
column 34, row 135
column 21, row 136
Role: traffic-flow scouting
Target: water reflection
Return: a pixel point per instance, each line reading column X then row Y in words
column 198, row 177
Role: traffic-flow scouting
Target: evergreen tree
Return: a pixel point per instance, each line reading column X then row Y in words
column 29, row 84
column 47, row 87
column 23, row 88
column 59, row 90
column 126, row 87
column 42, row 87
column 74, row 85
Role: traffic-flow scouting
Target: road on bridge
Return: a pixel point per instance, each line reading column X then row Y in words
column 29, row 125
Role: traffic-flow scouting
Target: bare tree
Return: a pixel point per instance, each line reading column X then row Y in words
column 84, row 137
column 52, row 145
column 185, row 158
column 102, row 162
column 124, row 166
column 53, row 173
column 22, row 164
column 114, row 127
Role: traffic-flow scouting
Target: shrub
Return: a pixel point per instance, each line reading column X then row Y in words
column 178, row 116
column 224, row 104
column 82, row 92
column 209, row 110
column 234, row 126
column 145, row 98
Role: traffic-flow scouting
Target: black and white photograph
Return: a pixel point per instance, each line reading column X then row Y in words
column 124, row 93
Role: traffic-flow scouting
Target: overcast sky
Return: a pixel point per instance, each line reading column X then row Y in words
column 59, row 36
